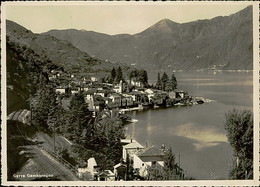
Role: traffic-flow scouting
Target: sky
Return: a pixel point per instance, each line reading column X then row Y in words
column 111, row 19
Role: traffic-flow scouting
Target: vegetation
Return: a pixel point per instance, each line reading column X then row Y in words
column 170, row 170
column 165, row 83
column 239, row 126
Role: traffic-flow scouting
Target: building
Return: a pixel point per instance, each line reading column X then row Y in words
column 60, row 90
column 106, row 175
column 116, row 99
column 120, row 171
column 93, row 79
column 172, row 94
column 148, row 157
column 130, row 149
column 179, row 93
column 92, row 165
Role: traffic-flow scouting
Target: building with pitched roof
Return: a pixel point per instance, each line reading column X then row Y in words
column 130, row 149
column 148, row 157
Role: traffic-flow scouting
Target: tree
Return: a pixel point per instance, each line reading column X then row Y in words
column 159, row 83
column 113, row 75
column 165, row 80
column 119, row 75
column 143, row 77
column 79, row 118
column 43, row 110
column 173, row 82
column 239, row 126
column 169, row 165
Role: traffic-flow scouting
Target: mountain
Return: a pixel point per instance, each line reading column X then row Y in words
column 224, row 42
column 60, row 52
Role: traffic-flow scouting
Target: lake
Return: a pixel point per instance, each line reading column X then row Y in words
column 196, row 133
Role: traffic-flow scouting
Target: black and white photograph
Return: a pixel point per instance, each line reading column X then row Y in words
column 138, row 92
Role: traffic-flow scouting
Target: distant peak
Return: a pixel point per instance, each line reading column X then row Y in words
column 164, row 24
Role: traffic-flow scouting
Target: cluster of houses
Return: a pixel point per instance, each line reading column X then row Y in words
column 134, row 155
column 129, row 94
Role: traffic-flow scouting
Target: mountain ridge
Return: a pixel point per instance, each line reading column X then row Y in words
column 224, row 42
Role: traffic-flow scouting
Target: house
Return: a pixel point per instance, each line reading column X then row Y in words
column 130, row 149
column 74, row 91
column 148, row 157
column 180, row 93
column 93, row 79
column 129, row 101
column 60, row 90
column 106, row 175
column 172, row 94
column 120, row 171
column 149, row 91
column 157, row 100
column 116, row 99
column 123, row 101
column 135, row 95
column 102, row 93
column 92, row 165
column 90, row 93
column 135, row 83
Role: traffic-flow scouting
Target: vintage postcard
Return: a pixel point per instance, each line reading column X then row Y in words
column 130, row 93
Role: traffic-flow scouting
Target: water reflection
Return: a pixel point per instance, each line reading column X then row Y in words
column 204, row 137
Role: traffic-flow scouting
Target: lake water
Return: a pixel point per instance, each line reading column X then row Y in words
column 197, row 133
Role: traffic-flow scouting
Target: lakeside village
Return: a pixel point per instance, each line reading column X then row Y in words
column 124, row 95
column 114, row 156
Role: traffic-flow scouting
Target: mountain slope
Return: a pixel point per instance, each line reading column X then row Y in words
column 225, row 42
column 60, row 52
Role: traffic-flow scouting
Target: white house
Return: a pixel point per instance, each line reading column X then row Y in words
column 93, row 79
column 148, row 157
column 60, row 90
column 116, row 99
column 92, row 164
column 130, row 149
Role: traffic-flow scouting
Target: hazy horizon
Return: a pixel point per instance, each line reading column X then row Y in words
column 112, row 19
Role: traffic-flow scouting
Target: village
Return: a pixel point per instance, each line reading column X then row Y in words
column 125, row 96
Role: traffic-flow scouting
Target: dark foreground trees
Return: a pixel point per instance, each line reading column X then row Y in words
column 239, row 126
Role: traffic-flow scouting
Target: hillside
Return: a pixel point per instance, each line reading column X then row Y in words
column 60, row 52
column 225, row 42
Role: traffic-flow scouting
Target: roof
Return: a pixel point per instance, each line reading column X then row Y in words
column 106, row 173
column 20, row 115
column 133, row 145
column 127, row 141
column 152, row 151
column 119, row 165
column 115, row 95
column 178, row 90
column 92, row 160
column 91, row 91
